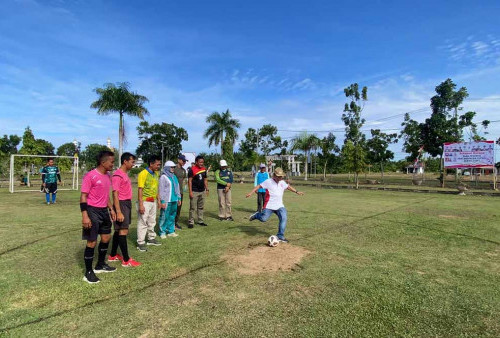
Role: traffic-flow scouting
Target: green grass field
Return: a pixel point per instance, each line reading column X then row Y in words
column 359, row 263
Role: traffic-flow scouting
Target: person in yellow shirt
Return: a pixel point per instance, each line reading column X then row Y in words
column 147, row 182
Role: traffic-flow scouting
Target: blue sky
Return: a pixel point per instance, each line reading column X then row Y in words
column 279, row 62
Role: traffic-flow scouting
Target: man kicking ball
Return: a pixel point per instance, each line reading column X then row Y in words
column 97, row 215
column 273, row 202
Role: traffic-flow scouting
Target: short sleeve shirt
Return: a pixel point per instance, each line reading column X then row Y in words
column 198, row 175
column 96, row 186
column 274, row 193
column 50, row 173
column 121, row 183
column 149, row 183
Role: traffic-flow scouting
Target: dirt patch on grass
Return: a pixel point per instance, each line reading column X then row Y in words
column 284, row 257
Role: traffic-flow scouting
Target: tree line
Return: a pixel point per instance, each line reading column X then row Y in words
column 446, row 123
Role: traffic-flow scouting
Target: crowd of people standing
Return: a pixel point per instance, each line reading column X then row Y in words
column 161, row 190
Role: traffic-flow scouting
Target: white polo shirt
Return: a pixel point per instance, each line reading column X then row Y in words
column 274, row 193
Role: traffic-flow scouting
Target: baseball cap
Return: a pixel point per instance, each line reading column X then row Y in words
column 223, row 163
column 169, row 164
column 182, row 157
column 262, row 165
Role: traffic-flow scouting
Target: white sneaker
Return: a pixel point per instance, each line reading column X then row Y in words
column 173, row 234
column 163, row 236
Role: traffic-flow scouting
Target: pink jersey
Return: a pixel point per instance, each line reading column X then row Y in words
column 97, row 186
column 121, row 183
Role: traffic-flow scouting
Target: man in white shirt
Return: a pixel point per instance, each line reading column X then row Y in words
column 273, row 202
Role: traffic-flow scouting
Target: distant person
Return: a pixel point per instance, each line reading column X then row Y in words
column 170, row 199
column 260, row 177
column 122, row 203
column 181, row 175
column 224, row 179
column 198, row 188
column 148, row 202
column 275, row 187
column 50, row 176
column 97, row 215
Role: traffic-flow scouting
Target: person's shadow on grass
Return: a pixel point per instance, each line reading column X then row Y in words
column 249, row 210
column 254, row 230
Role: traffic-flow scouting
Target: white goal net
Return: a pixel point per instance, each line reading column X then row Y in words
column 25, row 172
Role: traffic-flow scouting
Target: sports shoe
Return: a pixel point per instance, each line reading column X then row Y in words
column 203, row 224
column 115, row 258
column 130, row 263
column 153, row 242
column 163, row 236
column 104, row 268
column 222, row 219
column 173, row 234
column 90, row 277
column 283, row 240
column 178, row 227
column 253, row 216
column 190, row 226
column 48, row 203
column 142, row 247
column 229, row 219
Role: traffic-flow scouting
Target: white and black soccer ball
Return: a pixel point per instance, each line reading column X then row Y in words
column 273, row 241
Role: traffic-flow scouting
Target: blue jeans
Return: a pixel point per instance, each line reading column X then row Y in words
column 281, row 213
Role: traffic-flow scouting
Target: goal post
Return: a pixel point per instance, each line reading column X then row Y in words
column 29, row 171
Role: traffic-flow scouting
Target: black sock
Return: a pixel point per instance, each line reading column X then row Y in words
column 114, row 244
column 103, row 250
column 122, row 239
column 88, row 257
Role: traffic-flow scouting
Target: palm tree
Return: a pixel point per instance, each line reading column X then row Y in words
column 305, row 142
column 221, row 126
column 119, row 99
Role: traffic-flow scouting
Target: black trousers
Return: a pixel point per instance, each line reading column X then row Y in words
column 260, row 201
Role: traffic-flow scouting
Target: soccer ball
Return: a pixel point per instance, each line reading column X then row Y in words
column 272, row 241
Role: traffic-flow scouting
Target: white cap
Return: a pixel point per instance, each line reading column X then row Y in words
column 223, row 163
column 169, row 164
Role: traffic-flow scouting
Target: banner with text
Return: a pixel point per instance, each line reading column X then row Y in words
column 469, row 154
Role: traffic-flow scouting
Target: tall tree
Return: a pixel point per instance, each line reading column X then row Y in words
column 268, row 139
column 444, row 125
column 378, row 145
column 353, row 151
column 328, row 151
column 89, row 155
column 34, row 146
column 306, row 143
column 250, row 143
column 228, row 150
column 119, row 99
column 67, row 149
column 412, row 137
column 221, row 126
column 160, row 138
column 8, row 146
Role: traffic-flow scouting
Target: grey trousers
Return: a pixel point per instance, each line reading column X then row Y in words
column 197, row 203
